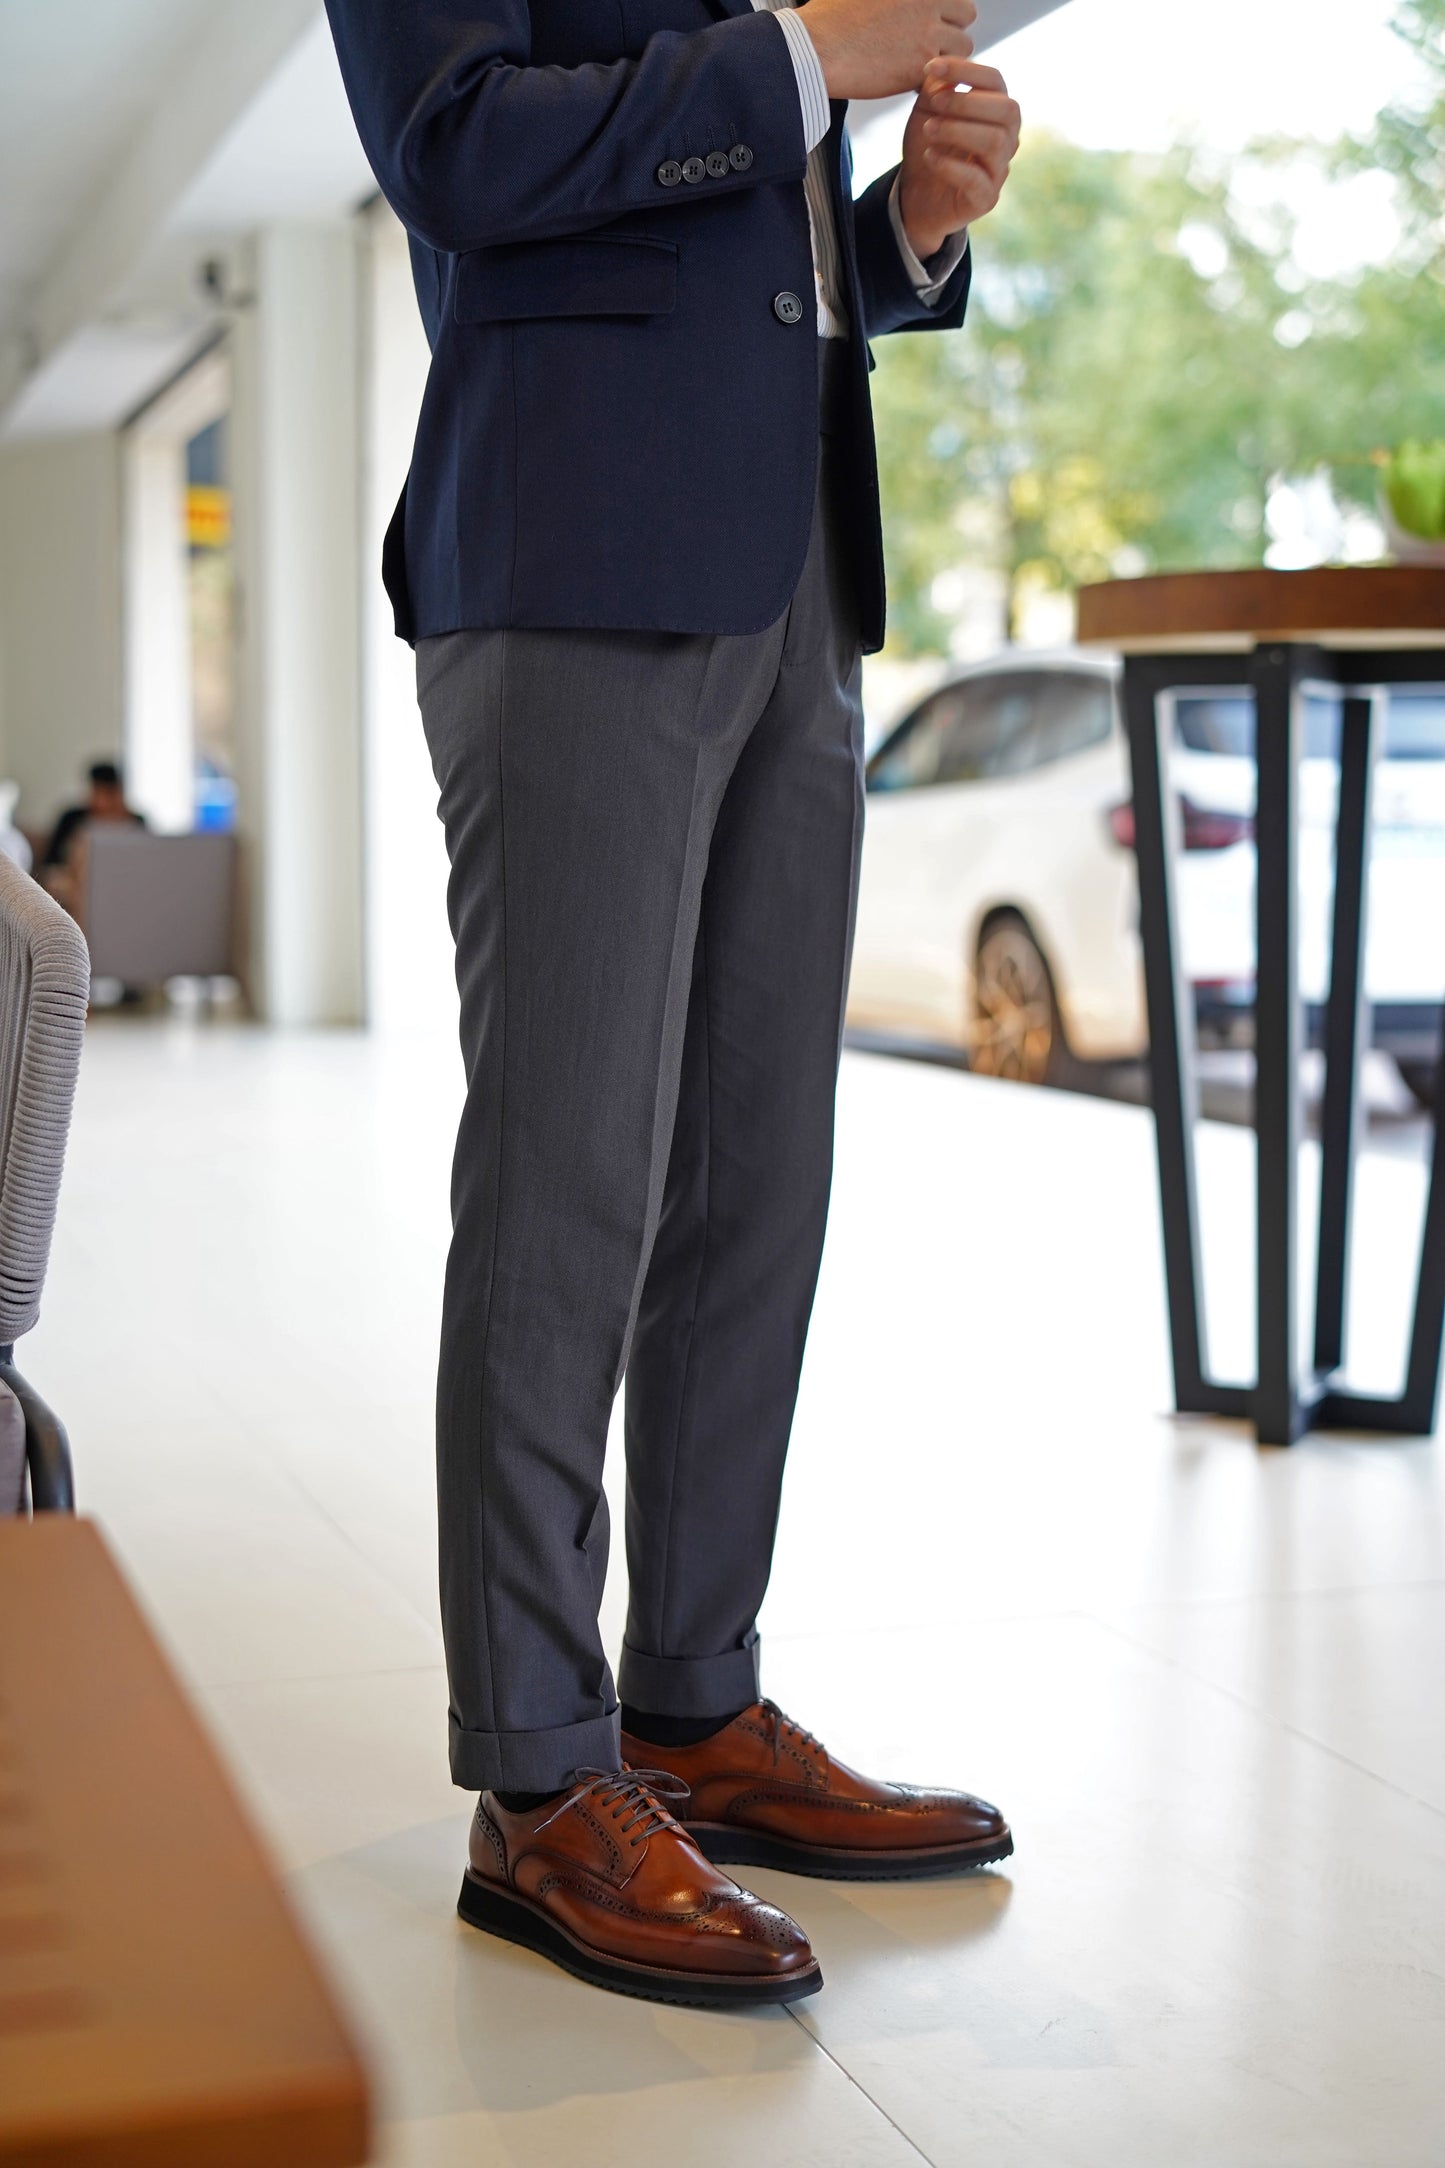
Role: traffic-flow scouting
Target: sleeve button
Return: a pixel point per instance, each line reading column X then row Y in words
column 693, row 169
column 717, row 165
column 669, row 173
column 740, row 158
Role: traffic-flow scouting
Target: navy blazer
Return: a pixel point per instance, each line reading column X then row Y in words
column 620, row 423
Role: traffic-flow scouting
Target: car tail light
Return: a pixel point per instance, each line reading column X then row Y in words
column 1205, row 828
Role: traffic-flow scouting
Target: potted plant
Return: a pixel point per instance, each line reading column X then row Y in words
column 1412, row 500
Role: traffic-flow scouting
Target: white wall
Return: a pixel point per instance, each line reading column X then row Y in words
column 60, row 615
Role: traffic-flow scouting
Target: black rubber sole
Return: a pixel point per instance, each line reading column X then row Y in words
column 516, row 1919
column 727, row 1847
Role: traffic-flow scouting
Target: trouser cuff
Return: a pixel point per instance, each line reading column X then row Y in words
column 533, row 1761
column 690, row 1685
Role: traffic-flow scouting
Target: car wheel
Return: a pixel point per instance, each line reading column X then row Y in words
column 1421, row 1078
column 1016, row 1028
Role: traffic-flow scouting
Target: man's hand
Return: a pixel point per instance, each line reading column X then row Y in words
column 957, row 149
column 877, row 48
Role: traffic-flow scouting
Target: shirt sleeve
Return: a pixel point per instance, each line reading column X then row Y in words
column 928, row 279
column 812, row 84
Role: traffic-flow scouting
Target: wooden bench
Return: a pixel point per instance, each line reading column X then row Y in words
column 159, row 2007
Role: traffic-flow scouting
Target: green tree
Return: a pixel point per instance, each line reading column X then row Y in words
column 1143, row 358
column 1375, row 364
column 1409, row 139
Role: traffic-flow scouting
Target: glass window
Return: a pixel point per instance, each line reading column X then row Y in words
column 1216, row 723
column 991, row 731
column 1416, row 728
column 1224, row 723
column 909, row 759
column 1075, row 714
column 966, row 733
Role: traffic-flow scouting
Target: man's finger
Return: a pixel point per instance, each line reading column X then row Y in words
column 993, row 167
column 957, row 44
column 984, row 107
column 947, row 74
column 975, row 192
column 962, row 139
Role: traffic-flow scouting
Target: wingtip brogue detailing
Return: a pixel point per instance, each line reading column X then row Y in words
column 767, row 1793
column 754, row 1922
column 488, row 1850
column 607, row 1882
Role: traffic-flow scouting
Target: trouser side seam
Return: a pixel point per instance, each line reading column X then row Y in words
column 687, row 1373
column 483, row 1574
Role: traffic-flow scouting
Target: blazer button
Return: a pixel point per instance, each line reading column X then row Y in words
column 669, row 173
column 740, row 158
column 717, row 164
column 693, row 169
column 787, row 308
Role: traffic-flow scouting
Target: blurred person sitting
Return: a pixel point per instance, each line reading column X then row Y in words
column 106, row 802
column 59, row 870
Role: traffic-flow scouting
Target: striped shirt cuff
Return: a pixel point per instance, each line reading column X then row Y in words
column 812, row 87
column 928, row 279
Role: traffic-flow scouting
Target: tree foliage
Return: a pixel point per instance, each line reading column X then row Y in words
column 1144, row 358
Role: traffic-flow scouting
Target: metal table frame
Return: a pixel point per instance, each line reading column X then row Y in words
column 1288, row 1397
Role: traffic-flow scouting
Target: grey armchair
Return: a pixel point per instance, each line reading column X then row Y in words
column 157, row 907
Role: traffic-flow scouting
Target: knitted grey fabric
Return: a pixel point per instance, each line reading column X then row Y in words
column 44, row 990
column 12, row 1452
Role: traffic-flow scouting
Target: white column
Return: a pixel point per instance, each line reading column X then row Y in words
column 160, row 749
column 296, row 438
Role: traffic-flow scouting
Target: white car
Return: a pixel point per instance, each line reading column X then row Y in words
column 999, row 905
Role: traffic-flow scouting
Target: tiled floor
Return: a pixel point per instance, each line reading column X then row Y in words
column 1204, row 1680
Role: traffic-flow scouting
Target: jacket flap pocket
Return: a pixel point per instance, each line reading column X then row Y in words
column 585, row 275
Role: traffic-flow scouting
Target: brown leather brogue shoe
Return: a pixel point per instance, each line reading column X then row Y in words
column 608, row 1884
column 766, row 1793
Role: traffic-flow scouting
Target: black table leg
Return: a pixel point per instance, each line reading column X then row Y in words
column 1346, row 1028
column 1171, row 1049
column 1283, row 1402
column 1415, row 1413
column 1279, row 1043
column 1427, row 1340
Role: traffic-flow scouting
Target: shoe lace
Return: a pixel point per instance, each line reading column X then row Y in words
column 783, row 1727
column 632, row 1797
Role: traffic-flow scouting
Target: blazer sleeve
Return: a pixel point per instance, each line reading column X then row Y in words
column 890, row 300
column 472, row 145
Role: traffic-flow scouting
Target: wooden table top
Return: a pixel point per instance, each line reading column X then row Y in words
column 158, row 2006
column 1351, row 606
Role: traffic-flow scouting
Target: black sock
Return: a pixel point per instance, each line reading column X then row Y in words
column 673, row 1730
column 524, row 1802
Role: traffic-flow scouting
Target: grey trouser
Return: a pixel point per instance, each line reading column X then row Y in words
column 654, row 845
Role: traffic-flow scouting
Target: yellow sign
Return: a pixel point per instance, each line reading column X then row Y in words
column 208, row 517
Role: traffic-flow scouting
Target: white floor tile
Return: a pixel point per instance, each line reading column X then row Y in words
column 1215, row 1944
column 1356, row 1669
column 1199, row 1677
